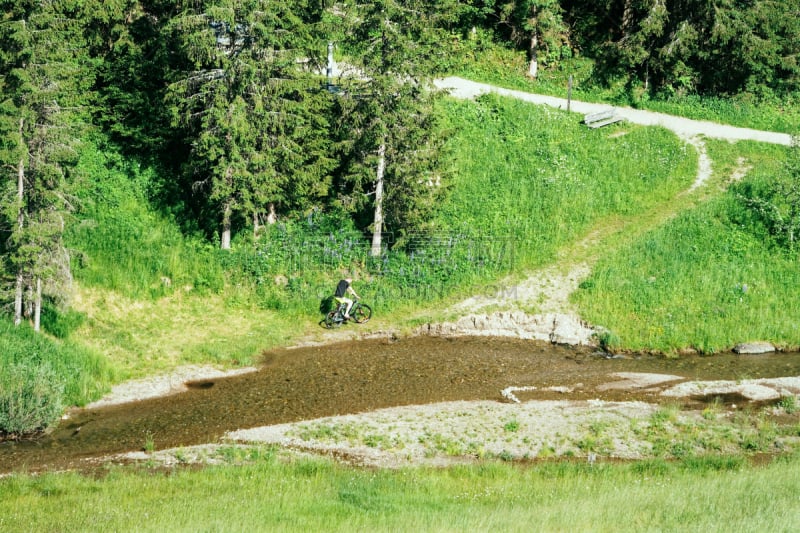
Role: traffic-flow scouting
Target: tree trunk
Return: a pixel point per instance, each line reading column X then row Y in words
column 20, row 223
column 533, row 68
column 627, row 18
column 18, row 300
column 225, row 241
column 533, row 50
column 377, row 225
column 37, row 310
column 272, row 218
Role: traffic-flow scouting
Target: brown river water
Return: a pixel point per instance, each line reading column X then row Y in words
column 306, row 383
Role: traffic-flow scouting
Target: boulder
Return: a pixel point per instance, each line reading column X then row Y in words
column 569, row 329
column 753, row 348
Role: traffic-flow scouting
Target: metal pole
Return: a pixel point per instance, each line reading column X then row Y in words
column 569, row 92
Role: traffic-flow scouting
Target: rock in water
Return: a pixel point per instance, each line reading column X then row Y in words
column 753, row 348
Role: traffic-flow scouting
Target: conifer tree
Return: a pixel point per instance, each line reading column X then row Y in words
column 45, row 80
column 389, row 108
column 671, row 46
column 753, row 47
column 258, row 132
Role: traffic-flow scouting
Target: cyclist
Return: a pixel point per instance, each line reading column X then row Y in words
column 342, row 289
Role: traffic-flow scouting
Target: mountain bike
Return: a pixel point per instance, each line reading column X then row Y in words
column 359, row 314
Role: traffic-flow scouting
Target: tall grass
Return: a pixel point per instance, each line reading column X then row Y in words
column 707, row 279
column 145, row 337
column 39, row 375
column 295, row 265
column 121, row 243
column 316, row 495
column 138, row 253
column 30, row 399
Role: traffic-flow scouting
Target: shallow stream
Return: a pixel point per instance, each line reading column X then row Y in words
column 306, row 383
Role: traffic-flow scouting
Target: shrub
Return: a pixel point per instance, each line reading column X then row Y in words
column 713, row 463
column 31, row 399
column 82, row 375
column 775, row 200
column 788, row 404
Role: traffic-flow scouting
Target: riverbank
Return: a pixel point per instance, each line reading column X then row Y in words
column 263, row 489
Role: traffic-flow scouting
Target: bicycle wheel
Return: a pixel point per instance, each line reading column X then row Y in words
column 331, row 320
column 362, row 313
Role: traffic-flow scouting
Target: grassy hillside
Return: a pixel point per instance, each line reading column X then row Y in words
column 708, row 279
column 524, row 182
column 538, row 177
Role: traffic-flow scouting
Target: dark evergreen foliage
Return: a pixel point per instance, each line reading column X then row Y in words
column 46, row 77
column 688, row 47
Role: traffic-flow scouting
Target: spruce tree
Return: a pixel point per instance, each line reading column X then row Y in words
column 46, row 84
column 398, row 48
column 258, row 135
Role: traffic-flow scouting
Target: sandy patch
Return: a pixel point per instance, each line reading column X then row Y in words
column 444, row 433
column 163, row 385
column 637, row 380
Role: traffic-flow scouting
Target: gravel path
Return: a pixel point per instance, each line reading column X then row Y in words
column 684, row 127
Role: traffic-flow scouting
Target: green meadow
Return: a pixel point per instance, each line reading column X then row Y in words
column 258, row 490
column 708, row 278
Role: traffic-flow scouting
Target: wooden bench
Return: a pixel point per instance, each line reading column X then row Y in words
column 602, row 118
